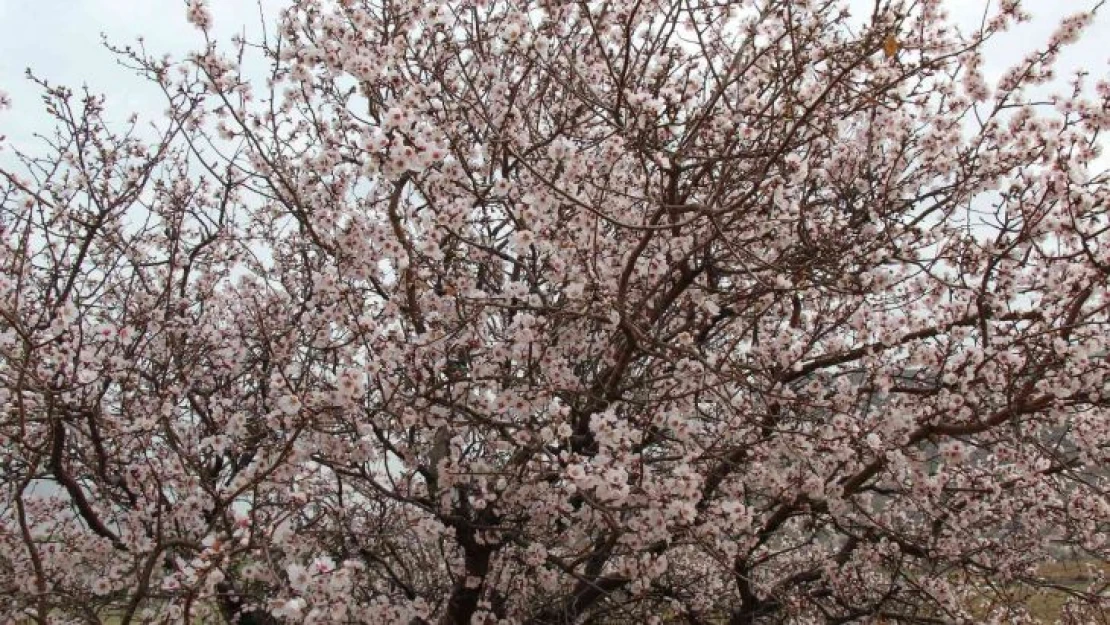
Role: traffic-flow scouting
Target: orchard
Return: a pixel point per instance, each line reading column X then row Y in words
column 546, row 312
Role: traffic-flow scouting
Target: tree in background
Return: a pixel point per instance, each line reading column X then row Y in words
column 477, row 311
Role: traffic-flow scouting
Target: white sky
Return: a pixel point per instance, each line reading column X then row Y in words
column 61, row 40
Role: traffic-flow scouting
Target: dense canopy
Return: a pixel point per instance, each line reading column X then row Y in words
column 546, row 311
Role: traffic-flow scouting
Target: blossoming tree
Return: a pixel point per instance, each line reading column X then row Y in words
column 545, row 311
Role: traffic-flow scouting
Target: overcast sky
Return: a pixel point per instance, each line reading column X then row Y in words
column 61, row 40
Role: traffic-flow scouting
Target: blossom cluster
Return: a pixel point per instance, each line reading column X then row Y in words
column 485, row 311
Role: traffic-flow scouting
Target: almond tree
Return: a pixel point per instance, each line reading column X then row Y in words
column 488, row 311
